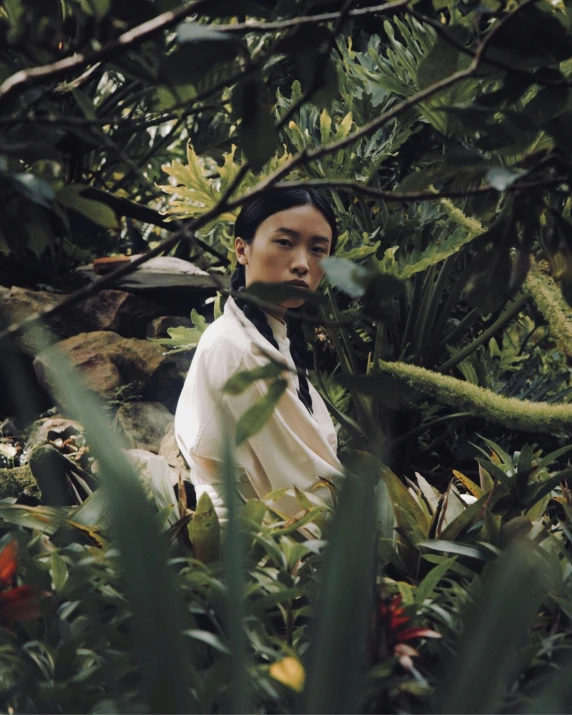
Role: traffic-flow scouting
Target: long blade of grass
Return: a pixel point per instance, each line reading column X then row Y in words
column 233, row 556
column 158, row 616
column 556, row 696
column 335, row 660
column 494, row 626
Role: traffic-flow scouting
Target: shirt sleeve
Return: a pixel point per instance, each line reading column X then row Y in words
column 291, row 449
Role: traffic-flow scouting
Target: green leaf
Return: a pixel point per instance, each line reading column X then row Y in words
column 71, row 197
column 538, row 490
column 277, row 292
column 462, row 522
column 485, row 661
column 453, row 547
column 251, row 103
column 499, row 451
column 438, row 64
column 209, row 638
column 183, row 338
column 254, row 419
column 234, row 567
column 556, row 695
column 59, row 572
column 347, row 276
column 239, row 382
column 34, row 188
column 85, row 103
column 193, row 32
column 427, row 587
column 337, row 643
column 502, row 177
column 553, row 456
column 169, row 96
column 408, row 513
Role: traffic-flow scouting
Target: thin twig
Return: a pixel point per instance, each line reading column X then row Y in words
column 396, row 196
column 128, row 39
column 263, row 27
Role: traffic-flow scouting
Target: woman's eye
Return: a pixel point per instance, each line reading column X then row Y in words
column 284, row 242
column 319, row 249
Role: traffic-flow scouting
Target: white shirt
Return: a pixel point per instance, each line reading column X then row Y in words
column 293, row 449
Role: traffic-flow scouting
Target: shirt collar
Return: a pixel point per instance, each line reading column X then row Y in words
column 278, row 327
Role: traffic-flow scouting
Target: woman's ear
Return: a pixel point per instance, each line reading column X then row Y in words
column 240, row 248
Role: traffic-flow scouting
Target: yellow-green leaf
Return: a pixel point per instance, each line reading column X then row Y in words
column 204, row 531
column 407, row 511
column 290, row 672
column 468, row 484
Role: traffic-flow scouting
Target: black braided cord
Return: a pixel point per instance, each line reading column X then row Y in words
column 295, row 332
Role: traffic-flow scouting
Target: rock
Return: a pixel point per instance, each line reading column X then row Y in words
column 18, row 482
column 143, row 424
column 51, row 429
column 109, row 362
column 158, row 328
column 119, row 311
column 170, row 450
column 17, row 304
column 9, row 428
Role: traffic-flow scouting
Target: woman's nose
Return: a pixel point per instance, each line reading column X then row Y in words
column 300, row 262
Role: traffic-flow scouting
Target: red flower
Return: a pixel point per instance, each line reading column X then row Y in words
column 392, row 634
column 20, row 603
column 8, row 563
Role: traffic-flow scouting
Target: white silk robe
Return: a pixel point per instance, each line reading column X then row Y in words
column 293, row 449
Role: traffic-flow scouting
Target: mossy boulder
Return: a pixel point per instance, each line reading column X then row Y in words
column 18, row 482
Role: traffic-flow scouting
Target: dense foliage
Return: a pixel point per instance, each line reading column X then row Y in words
column 440, row 131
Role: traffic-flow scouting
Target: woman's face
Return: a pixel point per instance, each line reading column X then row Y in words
column 288, row 246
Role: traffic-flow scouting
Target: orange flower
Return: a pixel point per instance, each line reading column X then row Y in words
column 20, row 603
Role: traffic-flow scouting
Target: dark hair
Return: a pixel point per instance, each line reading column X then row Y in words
column 252, row 215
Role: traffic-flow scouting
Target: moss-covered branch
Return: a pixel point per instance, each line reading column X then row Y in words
column 548, row 297
column 463, row 396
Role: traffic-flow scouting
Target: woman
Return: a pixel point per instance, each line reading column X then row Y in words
column 280, row 237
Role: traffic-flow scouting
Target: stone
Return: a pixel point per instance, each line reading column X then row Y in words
column 143, row 424
column 18, row 482
column 17, row 304
column 9, row 428
column 51, row 429
column 109, row 362
column 170, row 450
column 123, row 313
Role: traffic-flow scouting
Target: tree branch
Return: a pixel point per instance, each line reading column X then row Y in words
column 421, row 195
column 128, row 39
column 259, row 27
